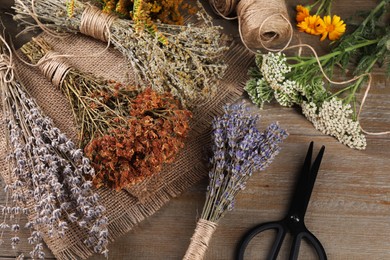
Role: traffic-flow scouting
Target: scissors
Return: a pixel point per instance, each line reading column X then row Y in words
column 293, row 222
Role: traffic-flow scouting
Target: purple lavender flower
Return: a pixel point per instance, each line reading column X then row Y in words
column 49, row 170
column 239, row 149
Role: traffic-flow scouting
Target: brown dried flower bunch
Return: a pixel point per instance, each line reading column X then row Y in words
column 97, row 104
column 127, row 133
column 153, row 136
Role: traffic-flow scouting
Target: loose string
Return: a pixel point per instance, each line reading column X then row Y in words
column 44, row 28
column 54, row 68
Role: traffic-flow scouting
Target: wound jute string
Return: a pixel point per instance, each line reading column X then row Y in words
column 261, row 23
column 96, row 24
column 53, row 68
column 200, row 240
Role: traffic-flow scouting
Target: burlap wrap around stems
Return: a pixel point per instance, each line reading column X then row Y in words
column 126, row 209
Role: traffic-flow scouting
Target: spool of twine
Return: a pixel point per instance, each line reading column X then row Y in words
column 95, row 23
column 200, row 240
column 262, row 24
column 224, row 8
column 54, row 68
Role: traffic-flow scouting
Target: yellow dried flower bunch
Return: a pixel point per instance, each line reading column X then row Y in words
column 166, row 11
column 328, row 27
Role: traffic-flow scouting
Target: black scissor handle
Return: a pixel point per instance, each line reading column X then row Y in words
column 312, row 239
column 281, row 233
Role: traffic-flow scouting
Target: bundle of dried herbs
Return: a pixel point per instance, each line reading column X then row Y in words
column 152, row 136
column 98, row 104
column 188, row 65
column 127, row 133
column 239, row 150
column 297, row 80
column 46, row 173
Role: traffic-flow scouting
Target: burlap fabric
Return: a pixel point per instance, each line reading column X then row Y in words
column 126, row 209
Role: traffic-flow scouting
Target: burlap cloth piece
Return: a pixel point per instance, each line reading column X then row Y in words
column 126, row 209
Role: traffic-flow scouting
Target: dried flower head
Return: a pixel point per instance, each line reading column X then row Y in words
column 334, row 28
column 302, row 13
column 274, row 78
column 334, row 118
column 312, row 24
column 152, row 136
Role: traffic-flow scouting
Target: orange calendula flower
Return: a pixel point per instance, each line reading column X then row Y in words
column 312, row 24
column 334, row 28
column 303, row 12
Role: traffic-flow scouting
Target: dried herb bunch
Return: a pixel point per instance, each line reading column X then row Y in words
column 46, row 173
column 239, row 150
column 170, row 12
column 188, row 65
column 153, row 136
column 98, row 104
column 297, row 80
column 127, row 133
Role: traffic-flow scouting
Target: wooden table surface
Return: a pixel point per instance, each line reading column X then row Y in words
column 350, row 206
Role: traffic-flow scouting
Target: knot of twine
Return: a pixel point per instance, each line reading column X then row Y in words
column 95, row 23
column 200, row 240
column 261, row 23
column 53, row 67
column 7, row 66
column 6, row 63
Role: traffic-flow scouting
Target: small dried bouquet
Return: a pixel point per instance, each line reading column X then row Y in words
column 239, row 150
column 187, row 64
column 128, row 133
column 46, row 177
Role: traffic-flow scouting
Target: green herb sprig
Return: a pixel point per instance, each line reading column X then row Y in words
column 299, row 80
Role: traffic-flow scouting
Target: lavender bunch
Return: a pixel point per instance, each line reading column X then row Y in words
column 46, row 173
column 239, row 150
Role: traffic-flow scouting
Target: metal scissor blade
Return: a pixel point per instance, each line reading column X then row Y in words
column 305, row 184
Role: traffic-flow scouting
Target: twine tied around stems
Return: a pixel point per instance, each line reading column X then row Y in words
column 53, row 67
column 95, row 23
column 200, row 240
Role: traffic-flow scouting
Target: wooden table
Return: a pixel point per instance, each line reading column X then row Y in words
column 349, row 210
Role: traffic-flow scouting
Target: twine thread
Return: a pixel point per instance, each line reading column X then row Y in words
column 6, row 62
column 54, row 68
column 200, row 240
column 95, row 23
